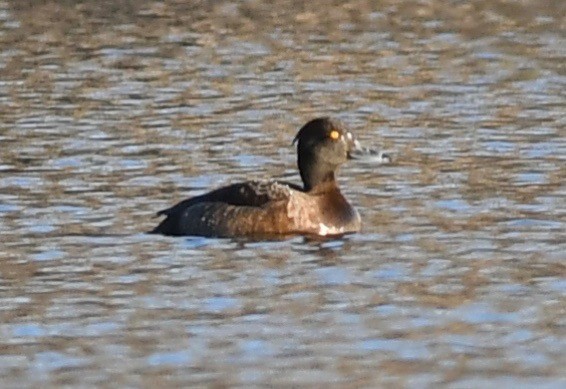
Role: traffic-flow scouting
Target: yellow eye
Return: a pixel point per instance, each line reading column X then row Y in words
column 334, row 135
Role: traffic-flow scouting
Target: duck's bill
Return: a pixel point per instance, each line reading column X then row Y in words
column 364, row 154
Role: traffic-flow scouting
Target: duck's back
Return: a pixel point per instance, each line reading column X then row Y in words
column 238, row 209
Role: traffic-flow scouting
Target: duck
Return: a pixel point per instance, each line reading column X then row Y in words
column 273, row 207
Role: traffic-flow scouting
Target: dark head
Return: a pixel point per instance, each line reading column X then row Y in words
column 323, row 145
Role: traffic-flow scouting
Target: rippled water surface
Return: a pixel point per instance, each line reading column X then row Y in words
column 110, row 111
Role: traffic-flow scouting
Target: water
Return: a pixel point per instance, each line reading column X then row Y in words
column 112, row 112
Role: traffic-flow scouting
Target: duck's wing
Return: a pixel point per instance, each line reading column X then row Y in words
column 250, row 193
column 236, row 198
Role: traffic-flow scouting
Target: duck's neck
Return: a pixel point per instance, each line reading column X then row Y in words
column 316, row 175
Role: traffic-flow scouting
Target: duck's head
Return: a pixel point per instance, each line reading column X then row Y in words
column 323, row 145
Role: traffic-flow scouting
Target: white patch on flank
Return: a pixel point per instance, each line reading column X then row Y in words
column 324, row 230
column 349, row 136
